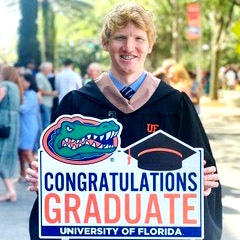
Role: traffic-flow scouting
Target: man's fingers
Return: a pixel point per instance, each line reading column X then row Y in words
column 32, row 173
column 34, row 165
column 209, row 170
column 211, row 184
column 211, row 177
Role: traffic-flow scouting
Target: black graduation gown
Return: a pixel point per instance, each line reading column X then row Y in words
column 172, row 111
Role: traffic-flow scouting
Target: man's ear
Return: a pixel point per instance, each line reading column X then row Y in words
column 105, row 46
column 150, row 49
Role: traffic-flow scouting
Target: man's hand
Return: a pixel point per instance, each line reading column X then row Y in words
column 32, row 176
column 210, row 179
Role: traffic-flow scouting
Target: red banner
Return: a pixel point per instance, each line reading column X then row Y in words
column 193, row 21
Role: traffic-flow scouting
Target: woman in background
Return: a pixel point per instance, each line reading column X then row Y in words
column 10, row 100
column 29, row 113
column 180, row 79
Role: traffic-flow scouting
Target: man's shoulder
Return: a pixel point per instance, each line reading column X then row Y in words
column 39, row 74
column 40, row 77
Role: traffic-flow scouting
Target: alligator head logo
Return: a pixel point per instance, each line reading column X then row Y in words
column 76, row 139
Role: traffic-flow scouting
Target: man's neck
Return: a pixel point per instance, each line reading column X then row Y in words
column 127, row 79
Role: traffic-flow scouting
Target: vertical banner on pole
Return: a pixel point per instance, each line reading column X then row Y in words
column 193, row 21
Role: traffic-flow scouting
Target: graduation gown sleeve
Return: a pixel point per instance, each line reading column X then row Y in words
column 191, row 131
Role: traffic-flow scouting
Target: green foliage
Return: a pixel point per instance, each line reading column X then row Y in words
column 74, row 28
column 236, row 30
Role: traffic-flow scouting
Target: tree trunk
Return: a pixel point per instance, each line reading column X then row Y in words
column 49, row 32
column 215, row 56
column 28, row 45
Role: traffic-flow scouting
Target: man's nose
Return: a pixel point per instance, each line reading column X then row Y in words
column 129, row 45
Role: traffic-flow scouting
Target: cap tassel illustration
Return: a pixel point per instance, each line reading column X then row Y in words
column 159, row 152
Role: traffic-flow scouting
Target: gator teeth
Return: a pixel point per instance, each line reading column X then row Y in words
column 74, row 144
column 108, row 135
column 88, row 136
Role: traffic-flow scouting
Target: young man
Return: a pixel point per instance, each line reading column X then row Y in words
column 128, row 35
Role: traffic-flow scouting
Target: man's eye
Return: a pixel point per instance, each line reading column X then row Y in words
column 120, row 38
column 140, row 39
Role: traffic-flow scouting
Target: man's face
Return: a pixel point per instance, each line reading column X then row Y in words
column 47, row 70
column 93, row 72
column 128, row 49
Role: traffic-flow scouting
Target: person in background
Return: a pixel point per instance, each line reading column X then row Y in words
column 238, row 79
column 206, row 82
column 31, row 68
column 135, row 98
column 179, row 79
column 93, row 72
column 163, row 71
column 67, row 80
column 52, row 79
column 230, row 76
column 11, row 96
column 46, row 91
column 29, row 125
column 196, row 90
column 20, row 68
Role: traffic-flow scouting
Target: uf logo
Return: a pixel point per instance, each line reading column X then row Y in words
column 76, row 139
column 151, row 128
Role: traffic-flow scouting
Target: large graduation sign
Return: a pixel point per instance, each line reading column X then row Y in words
column 91, row 188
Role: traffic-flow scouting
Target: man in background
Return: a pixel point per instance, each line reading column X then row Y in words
column 93, row 71
column 67, row 80
column 46, row 91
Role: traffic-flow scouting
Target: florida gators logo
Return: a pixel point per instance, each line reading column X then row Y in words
column 76, row 139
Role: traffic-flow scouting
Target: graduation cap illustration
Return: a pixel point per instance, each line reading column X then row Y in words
column 160, row 152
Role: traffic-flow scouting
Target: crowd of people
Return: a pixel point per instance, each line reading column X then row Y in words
column 229, row 77
column 134, row 95
column 28, row 99
column 177, row 76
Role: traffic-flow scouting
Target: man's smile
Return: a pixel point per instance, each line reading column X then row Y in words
column 127, row 57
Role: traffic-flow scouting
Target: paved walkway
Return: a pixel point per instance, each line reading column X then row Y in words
column 223, row 128
column 14, row 216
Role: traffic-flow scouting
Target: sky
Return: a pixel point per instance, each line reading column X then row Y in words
column 9, row 19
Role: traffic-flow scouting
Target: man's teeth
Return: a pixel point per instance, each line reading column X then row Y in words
column 127, row 57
